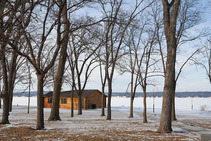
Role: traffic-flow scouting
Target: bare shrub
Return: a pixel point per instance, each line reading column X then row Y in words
column 204, row 108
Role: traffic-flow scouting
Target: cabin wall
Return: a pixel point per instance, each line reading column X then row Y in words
column 65, row 106
column 90, row 102
column 46, row 104
column 95, row 100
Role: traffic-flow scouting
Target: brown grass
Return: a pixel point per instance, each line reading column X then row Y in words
column 25, row 133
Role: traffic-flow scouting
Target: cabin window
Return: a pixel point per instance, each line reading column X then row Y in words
column 50, row 100
column 64, row 101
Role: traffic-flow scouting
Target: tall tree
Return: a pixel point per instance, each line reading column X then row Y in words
column 10, row 14
column 54, row 115
column 72, row 80
column 67, row 7
column 189, row 17
column 103, row 82
column 83, row 47
column 100, row 53
column 134, row 48
column 170, row 15
column 141, row 40
column 40, row 45
column 116, row 23
column 29, row 84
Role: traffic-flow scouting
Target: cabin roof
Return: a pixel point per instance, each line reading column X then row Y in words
column 85, row 93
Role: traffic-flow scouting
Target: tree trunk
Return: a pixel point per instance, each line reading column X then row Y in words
column 72, row 105
column 131, row 95
column 29, row 73
column 40, row 115
column 131, row 105
column 0, row 99
column 61, row 66
column 109, row 99
column 170, row 14
column 29, row 98
column 165, row 121
column 54, row 115
column 79, row 103
column 12, row 76
column 0, row 90
column 145, row 106
column 5, row 114
column 173, row 114
column 5, row 94
column 103, row 102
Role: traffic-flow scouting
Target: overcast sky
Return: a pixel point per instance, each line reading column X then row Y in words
column 192, row 78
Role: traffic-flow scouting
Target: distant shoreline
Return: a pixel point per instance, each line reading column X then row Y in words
column 200, row 94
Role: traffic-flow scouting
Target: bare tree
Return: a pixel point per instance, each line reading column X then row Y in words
column 116, row 24
column 100, row 56
column 103, row 82
column 69, row 8
column 170, row 15
column 62, row 60
column 10, row 28
column 83, row 45
column 39, row 46
column 134, row 46
column 141, row 62
column 189, row 17
column 71, row 80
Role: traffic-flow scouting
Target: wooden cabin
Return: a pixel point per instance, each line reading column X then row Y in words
column 91, row 99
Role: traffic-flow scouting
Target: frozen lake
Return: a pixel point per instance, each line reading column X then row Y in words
column 196, row 104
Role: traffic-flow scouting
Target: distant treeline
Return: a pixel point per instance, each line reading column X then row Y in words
column 149, row 94
column 160, row 94
column 26, row 94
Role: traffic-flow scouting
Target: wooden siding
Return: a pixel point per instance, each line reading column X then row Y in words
column 46, row 104
column 92, row 101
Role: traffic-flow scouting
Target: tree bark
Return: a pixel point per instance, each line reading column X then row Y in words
column 72, row 105
column 170, row 12
column 103, row 102
column 173, row 113
column 29, row 73
column 131, row 106
column 0, row 86
column 145, row 106
column 5, row 114
column 131, row 94
column 0, row 98
column 109, row 99
column 79, row 103
column 29, row 98
column 12, row 75
column 5, row 94
column 40, row 115
column 60, row 72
